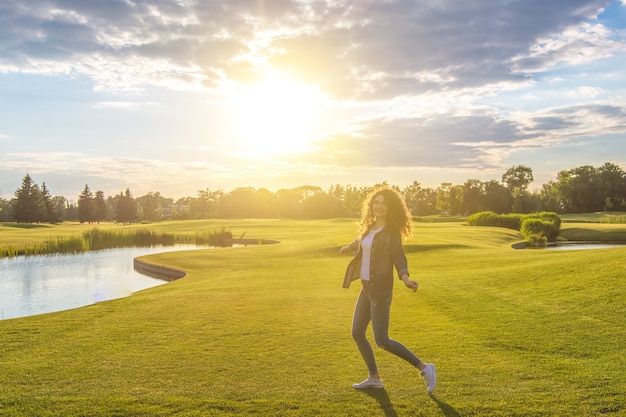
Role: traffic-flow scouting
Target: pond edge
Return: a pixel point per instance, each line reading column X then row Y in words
column 172, row 274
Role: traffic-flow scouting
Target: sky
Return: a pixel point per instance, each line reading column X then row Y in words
column 177, row 96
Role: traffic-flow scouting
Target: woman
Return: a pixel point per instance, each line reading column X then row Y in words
column 385, row 220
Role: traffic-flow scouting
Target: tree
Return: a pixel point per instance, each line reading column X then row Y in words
column 550, row 197
column 239, row 203
column 518, row 176
column 6, row 210
column 71, row 211
column 267, row 204
column 288, row 204
column 86, row 208
column 353, row 199
column 411, row 195
column 581, row 190
column 449, row 198
column 205, row 205
column 517, row 179
column 472, row 201
column 613, row 180
column 149, row 205
column 322, row 206
column 49, row 209
column 126, row 209
column 60, row 205
column 100, row 207
column 28, row 207
column 497, row 197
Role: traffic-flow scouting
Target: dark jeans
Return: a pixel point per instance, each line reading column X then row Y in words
column 376, row 310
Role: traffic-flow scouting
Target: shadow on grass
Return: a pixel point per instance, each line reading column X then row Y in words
column 423, row 248
column 26, row 225
column 447, row 409
column 382, row 397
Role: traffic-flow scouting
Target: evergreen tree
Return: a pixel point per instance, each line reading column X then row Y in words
column 50, row 214
column 71, row 211
column 126, row 208
column 86, row 211
column 60, row 207
column 27, row 206
column 100, row 206
column 6, row 210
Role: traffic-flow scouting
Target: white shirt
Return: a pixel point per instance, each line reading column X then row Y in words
column 366, row 249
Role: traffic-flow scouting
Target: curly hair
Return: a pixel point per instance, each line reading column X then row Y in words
column 398, row 215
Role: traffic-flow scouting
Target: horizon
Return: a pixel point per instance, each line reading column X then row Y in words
column 533, row 187
column 180, row 97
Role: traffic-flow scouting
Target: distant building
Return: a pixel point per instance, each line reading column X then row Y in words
column 174, row 211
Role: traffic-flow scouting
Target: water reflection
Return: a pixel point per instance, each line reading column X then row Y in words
column 584, row 246
column 43, row 284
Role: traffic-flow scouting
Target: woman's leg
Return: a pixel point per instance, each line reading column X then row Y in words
column 380, row 308
column 360, row 321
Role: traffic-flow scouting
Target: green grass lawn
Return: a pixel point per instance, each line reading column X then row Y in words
column 265, row 330
column 591, row 217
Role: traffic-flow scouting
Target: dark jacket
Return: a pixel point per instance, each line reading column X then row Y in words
column 386, row 253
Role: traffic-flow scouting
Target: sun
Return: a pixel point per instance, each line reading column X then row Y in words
column 276, row 116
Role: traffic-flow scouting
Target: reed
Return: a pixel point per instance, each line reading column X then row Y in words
column 93, row 239
column 614, row 219
column 222, row 238
column 8, row 252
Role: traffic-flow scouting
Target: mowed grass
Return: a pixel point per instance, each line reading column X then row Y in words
column 265, row 330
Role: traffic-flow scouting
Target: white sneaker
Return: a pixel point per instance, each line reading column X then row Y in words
column 369, row 383
column 430, row 378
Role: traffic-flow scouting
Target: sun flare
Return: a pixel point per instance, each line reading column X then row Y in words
column 276, row 116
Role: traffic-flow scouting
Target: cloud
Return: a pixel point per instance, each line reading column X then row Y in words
column 366, row 49
column 116, row 104
column 113, row 173
column 574, row 46
column 431, row 85
column 578, row 120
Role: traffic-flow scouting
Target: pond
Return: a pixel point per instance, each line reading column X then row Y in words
column 584, row 245
column 45, row 283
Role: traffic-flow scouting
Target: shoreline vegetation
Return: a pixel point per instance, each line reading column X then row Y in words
column 108, row 235
column 98, row 239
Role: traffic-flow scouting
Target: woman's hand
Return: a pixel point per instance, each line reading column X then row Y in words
column 410, row 284
column 345, row 250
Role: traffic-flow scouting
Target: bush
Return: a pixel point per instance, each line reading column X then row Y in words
column 614, row 220
column 551, row 224
column 489, row 218
column 532, row 226
column 534, row 231
column 537, row 241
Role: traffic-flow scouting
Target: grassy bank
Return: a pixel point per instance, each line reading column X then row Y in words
column 265, row 330
column 598, row 232
column 28, row 239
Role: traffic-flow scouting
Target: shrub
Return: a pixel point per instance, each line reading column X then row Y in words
column 510, row 221
column 537, row 241
column 552, row 224
column 489, row 218
column 533, row 227
column 483, row 218
column 614, row 220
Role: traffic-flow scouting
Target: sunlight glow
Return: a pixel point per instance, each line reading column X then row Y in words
column 276, row 116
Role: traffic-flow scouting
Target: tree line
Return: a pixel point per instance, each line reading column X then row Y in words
column 579, row 190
